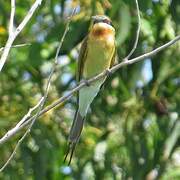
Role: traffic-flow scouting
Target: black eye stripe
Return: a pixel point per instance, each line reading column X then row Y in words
column 96, row 21
column 107, row 22
column 104, row 21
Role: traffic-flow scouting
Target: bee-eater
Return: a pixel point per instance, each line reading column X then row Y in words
column 97, row 54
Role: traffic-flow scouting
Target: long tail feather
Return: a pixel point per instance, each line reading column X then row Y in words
column 67, row 152
column 70, row 152
column 74, row 135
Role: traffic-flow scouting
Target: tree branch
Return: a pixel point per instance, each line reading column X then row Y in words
column 28, row 119
column 42, row 101
column 22, row 138
column 14, row 34
column 11, row 21
column 16, row 46
column 64, row 98
column 137, row 32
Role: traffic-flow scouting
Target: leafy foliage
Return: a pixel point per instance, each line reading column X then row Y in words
column 132, row 129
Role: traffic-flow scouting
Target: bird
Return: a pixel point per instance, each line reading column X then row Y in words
column 97, row 54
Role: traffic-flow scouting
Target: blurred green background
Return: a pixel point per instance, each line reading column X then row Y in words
column 132, row 129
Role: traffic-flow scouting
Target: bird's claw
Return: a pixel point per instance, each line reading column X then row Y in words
column 86, row 82
column 108, row 72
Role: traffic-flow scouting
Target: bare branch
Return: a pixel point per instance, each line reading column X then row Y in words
column 42, row 101
column 14, row 34
column 11, row 21
column 21, row 139
column 28, row 119
column 137, row 33
column 16, row 46
column 51, row 73
column 64, row 98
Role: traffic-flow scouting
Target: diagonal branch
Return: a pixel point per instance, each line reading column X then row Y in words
column 22, row 138
column 14, row 34
column 42, row 101
column 66, row 97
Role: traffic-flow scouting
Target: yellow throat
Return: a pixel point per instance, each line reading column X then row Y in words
column 100, row 49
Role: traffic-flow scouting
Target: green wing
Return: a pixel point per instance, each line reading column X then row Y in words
column 81, row 59
column 111, row 64
column 113, row 58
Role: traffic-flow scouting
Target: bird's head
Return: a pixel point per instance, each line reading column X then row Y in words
column 101, row 26
column 101, row 19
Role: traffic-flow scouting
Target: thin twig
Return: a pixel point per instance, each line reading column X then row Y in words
column 42, row 101
column 22, row 138
column 16, row 46
column 11, row 21
column 14, row 34
column 29, row 113
column 90, row 81
column 137, row 32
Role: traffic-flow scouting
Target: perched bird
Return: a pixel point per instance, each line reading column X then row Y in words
column 97, row 54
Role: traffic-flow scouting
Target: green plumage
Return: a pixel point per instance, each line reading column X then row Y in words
column 96, row 55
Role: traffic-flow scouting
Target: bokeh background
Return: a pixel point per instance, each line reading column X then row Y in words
column 132, row 129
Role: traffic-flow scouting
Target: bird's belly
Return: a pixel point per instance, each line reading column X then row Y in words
column 99, row 56
column 98, row 59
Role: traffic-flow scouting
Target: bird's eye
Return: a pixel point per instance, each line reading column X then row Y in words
column 104, row 21
column 107, row 21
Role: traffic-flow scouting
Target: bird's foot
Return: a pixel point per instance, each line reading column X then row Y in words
column 125, row 59
column 108, row 72
column 86, row 82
